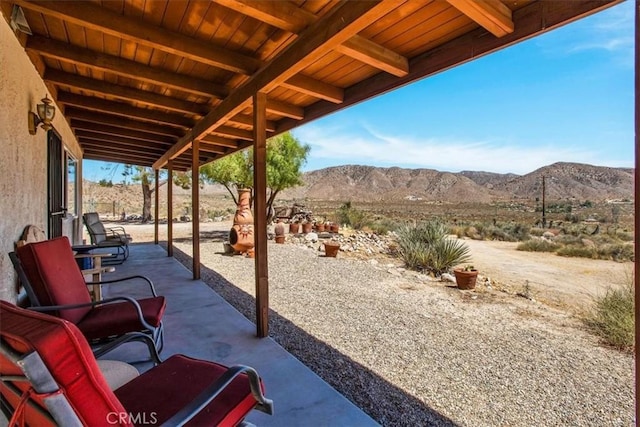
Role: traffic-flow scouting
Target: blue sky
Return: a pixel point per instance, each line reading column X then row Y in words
column 567, row 95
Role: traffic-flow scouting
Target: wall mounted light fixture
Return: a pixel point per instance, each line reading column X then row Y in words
column 46, row 113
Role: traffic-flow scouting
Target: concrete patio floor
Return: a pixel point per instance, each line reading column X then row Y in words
column 200, row 323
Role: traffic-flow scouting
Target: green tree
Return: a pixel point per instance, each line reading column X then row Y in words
column 285, row 157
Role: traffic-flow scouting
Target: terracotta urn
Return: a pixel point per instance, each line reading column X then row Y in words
column 319, row 227
column 294, row 228
column 278, row 229
column 241, row 234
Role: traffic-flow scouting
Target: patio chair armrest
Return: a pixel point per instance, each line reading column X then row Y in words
column 118, row 228
column 146, row 279
column 206, row 396
column 129, row 337
column 95, row 304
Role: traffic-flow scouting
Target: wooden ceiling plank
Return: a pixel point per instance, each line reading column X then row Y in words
column 126, row 110
column 131, row 28
column 98, row 144
column 90, row 154
column 340, row 24
column 118, row 131
column 124, row 93
column 492, row 15
column 124, row 67
column 375, row 55
column 122, row 122
column 315, row 88
column 289, row 17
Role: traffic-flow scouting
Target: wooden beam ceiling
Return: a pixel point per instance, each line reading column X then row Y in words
column 122, row 122
column 340, row 24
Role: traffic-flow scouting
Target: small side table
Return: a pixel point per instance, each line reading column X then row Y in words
column 84, row 251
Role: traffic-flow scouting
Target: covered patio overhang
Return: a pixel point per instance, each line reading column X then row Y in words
column 176, row 85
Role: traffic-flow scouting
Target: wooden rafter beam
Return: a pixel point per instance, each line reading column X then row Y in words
column 316, row 88
column 289, row 17
column 340, row 24
column 247, row 122
column 232, row 132
column 122, row 122
column 123, row 67
column 122, row 140
column 124, row 93
column 375, row 55
column 284, row 109
column 492, row 15
column 220, row 141
column 92, row 16
column 125, row 110
column 118, row 131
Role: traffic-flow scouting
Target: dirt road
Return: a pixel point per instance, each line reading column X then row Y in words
column 567, row 282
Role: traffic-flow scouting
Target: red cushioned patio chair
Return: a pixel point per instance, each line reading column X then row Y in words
column 50, row 377
column 55, row 284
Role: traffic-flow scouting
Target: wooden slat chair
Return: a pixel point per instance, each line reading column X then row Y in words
column 115, row 238
column 55, row 284
column 50, row 377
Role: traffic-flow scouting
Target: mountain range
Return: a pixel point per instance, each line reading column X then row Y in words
column 376, row 184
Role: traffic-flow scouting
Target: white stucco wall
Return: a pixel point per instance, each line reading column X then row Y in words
column 23, row 158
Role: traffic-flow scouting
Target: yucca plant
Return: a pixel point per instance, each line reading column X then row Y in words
column 426, row 246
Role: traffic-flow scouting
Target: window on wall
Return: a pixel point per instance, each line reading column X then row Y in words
column 71, row 184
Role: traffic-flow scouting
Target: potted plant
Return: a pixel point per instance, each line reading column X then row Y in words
column 331, row 248
column 466, row 277
column 279, row 232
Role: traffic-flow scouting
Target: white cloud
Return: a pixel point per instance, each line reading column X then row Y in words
column 340, row 146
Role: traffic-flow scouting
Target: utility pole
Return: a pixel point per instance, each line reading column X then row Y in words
column 544, row 216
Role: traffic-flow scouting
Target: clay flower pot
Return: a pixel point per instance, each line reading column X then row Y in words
column 466, row 279
column 335, row 228
column 294, row 228
column 280, row 239
column 331, row 249
column 320, row 227
column 307, row 227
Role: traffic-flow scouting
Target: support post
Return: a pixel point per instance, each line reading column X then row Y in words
column 195, row 206
column 260, row 212
column 170, row 208
column 156, row 208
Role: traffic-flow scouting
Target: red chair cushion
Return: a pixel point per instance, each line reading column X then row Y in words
column 119, row 318
column 54, row 276
column 168, row 387
column 68, row 357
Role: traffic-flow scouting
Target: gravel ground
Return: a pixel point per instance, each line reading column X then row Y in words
column 410, row 351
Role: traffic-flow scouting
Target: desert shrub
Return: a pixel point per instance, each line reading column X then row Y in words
column 425, row 246
column 537, row 232
column 568, row 239
column 538, row 245
column 508, row 232
column 612, row 319
column 351, row 216
column 577, row 250
column 616, row 252
column 383, row 226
